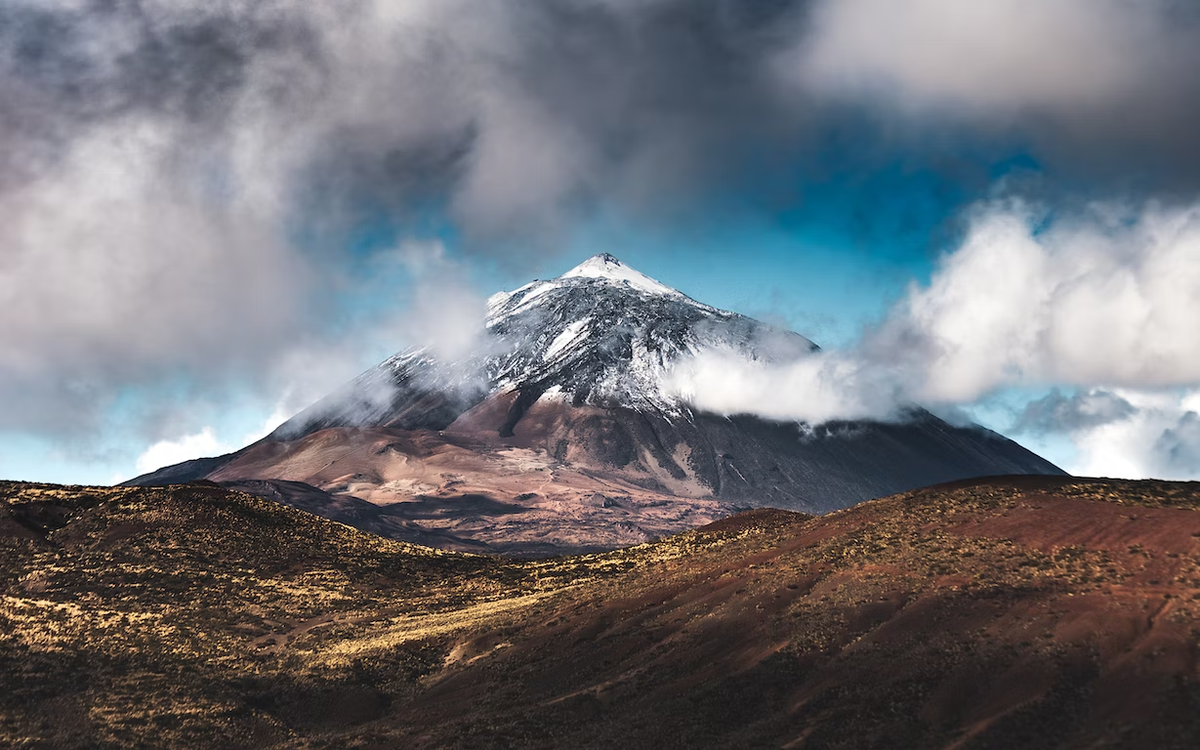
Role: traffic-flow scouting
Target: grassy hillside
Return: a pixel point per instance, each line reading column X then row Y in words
column 1025, row 612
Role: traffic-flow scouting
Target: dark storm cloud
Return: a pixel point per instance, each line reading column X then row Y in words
column 1098, row 89
column 511, row 112
column 519, row 116
column 159, row 159
column 71, row 66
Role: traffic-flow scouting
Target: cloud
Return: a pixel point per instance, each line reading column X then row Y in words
column 1104, row 299
column 445, row 314
column 108, row 274
column 1085, row 82
column 204, row 442
column 1129, row 433
column 168, row 452
column 1177, row 449
column 991, row 58
column 813, row 388
column 182, row 183
column 1059, row 412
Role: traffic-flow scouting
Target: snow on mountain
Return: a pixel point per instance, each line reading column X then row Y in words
column 573, row 376
column 608, row 335
column 605, row 266
column 602, row 334
column 569, row 336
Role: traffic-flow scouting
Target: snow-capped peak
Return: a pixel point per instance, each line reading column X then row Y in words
column 602, row 334
column 605, row 266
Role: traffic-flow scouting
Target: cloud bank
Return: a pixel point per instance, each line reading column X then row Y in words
column 1124, row 433
column 182, row 183
column 1103, row 87
column 1109, row 297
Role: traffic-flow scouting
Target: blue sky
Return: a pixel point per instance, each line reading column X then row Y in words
column 210, row 215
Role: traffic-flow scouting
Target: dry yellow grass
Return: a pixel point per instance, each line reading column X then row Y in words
column 1053, row 614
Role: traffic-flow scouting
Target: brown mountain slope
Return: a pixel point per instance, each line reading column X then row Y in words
column 1032, row 612
column 570, row 479
column 464, row 492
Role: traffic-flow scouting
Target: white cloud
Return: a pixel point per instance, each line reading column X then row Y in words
column 1106, row 299
column 167, row 452
column 445, row 313
column 1158, row 437
column 203, row 443
column 813, row 388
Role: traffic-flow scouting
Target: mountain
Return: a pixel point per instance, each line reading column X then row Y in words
column 561, row 431
column 1022, row 612
column 601, row 335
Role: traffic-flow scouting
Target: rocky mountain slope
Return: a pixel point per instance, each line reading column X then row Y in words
column 1023, row 612
column 602, row 335
column 562, row 431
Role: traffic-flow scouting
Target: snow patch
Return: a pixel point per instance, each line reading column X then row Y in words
column 496, row 300
column 569, row 335
column 535, row 290
column 605, row 266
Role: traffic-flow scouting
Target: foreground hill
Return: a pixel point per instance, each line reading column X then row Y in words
column 564, row 430
column 1013, row 612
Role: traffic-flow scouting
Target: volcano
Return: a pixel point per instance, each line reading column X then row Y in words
column 561, row 432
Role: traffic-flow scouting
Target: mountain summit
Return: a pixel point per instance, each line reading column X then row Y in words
column 602, row 334
column 605, row 266
column 561, row 431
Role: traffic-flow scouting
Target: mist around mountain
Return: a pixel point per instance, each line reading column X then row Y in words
column 565, row 429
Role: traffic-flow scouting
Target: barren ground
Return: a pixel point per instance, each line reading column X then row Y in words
column 1025, row 612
